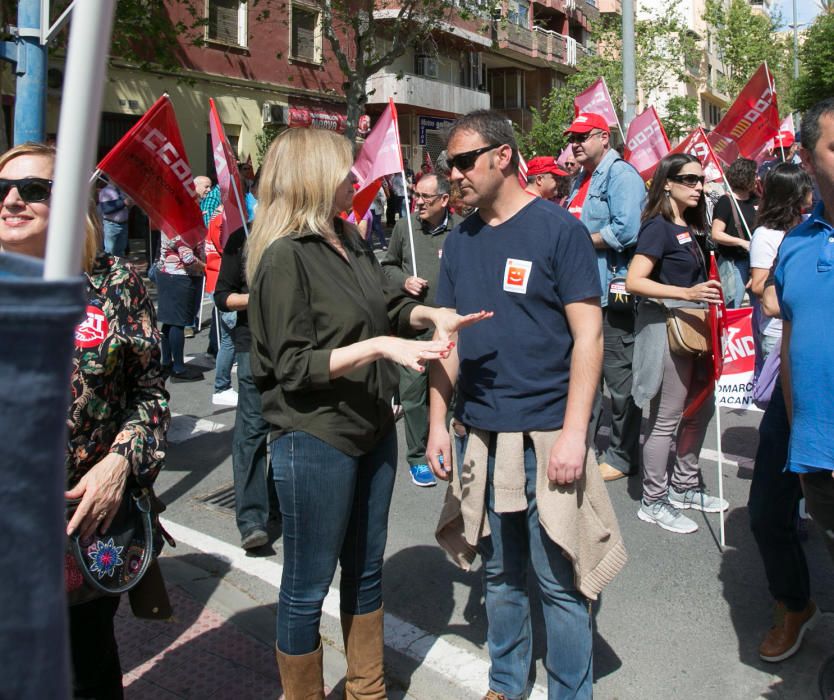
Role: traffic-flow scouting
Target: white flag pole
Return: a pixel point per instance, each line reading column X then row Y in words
column 89, row 43
column 720, row 466
column 410, row 226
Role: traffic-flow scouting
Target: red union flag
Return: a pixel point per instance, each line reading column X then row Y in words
column 381, row 155
column 597, row 101
column 150, row 166
column 717, row 323
column 228, row 177
column 735, row 387
column 646, row 143
column 696, row 144
column 751, row 121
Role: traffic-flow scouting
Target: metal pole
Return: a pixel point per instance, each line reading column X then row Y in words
column 30, row 92
column 629, row 72
column 86, row 68
column 795, row 43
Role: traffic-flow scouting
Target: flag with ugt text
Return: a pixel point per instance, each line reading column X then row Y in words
column 381, row 155
column 696, row 144
column 596, row 100
column 646, row 143
column 750, row 122
column 228, row 177
column 149, row 165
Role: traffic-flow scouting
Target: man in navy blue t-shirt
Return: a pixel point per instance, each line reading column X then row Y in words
column 534, row 366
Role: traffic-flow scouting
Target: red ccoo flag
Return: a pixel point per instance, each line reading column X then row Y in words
column 597, row 101
column 646, row 143
column 380, row 155
column 696, row 144
column 150, row 166
column 228, row 177
column 751, row 121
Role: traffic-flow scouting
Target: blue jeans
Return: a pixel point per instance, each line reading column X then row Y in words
column 115, row 237
column 516, row 541
column 774, row 499
column 377, row 230
column 335, row 510
column 249, row 453
column 734, row 274
column 225, row 351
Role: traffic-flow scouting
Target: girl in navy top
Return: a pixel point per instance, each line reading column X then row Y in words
column 669, row 264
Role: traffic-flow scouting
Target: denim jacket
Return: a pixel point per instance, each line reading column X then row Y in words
column 615, row 200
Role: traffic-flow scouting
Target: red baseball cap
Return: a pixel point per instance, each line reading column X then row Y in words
column 544, row 164
column 587, row 121
column 784, row 139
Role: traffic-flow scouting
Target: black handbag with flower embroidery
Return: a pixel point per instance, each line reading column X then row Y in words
column 114, row 562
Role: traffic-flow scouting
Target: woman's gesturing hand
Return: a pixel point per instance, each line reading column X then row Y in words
column 415, row 353
column 709, row 291
column 447, row 323
column 101, row 490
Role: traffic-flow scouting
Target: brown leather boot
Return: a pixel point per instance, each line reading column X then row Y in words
column 301, row 675
column 363, row 635
column 785, row 637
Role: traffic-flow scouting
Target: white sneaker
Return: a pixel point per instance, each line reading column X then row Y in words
column 697, row 499
column 225, row 398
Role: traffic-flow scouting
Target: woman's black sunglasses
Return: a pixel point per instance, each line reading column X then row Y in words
column 688, row 180
column 30, row 189
column 465, row 161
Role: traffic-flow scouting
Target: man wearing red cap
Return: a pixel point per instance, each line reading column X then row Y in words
column 608, row 196
column 784, row 148
column 544, row 177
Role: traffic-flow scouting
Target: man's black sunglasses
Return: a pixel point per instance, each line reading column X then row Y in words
column 465, row 161
column 30, row 189
column 688, row 180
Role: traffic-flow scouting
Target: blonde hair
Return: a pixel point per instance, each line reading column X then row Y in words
column 298, row 181
column 92, row 226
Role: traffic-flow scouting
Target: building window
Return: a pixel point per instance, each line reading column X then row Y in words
column 506, row 89
column 227, row 22
column 305, row 34
column 518, row 12
column 710, row 113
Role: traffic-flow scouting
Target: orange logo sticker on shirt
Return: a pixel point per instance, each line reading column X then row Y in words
column 517, row 275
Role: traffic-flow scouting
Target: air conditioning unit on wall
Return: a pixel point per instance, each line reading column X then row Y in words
column 427, row 66
column 272, row 113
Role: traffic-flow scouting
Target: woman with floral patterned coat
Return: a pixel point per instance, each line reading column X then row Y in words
column 119, row 413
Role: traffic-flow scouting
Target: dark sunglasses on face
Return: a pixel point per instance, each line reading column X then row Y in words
column 688, row 180
column 465, row 161
column 582, row 138
column 30, row 189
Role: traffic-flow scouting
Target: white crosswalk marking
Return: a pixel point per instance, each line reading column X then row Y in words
column 464, row 669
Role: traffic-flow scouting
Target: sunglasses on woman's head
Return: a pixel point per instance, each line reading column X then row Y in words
column 30, row 189
column 688, row 180
column 465, row 161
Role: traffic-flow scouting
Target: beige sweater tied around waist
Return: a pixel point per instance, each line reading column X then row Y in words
column 578, row 518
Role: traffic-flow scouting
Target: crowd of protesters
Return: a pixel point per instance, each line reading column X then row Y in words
column 528, row 301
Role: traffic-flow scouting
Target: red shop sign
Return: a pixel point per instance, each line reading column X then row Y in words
column 320, row 118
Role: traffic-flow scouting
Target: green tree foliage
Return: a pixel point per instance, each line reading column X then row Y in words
column 816, row 59
column 663, row 49
column 744, row 40
column 681, row 117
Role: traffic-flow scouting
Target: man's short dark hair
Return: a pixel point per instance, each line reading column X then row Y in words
column 741, row 174
column 810, row 128
column 443, row 184
column 491, row 126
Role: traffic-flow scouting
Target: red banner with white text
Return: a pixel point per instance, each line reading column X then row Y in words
column 735, row 387
column 696, row 144
column 596, row 100
column 228, row 177
column 646, row 143
column 149, row 164
column 750, row 122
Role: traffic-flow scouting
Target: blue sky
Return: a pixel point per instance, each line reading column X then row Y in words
column 806, row 10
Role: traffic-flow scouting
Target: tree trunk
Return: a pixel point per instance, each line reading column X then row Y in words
column 356, row 99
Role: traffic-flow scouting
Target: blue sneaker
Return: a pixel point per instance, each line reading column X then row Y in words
column 421, row 474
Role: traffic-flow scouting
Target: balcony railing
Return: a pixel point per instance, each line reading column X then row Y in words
column 420, row 91
column 538, row 43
